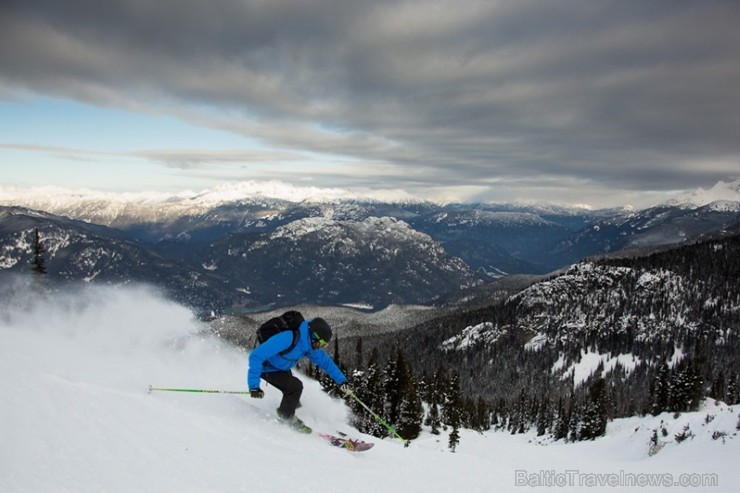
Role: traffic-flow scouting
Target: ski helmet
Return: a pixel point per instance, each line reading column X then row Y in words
column 320, row 329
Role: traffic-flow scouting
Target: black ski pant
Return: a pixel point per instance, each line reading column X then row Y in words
column 290, row 386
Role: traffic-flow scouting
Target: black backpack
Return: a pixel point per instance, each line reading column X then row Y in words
column 290, row 320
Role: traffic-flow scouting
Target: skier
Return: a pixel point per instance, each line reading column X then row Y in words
column 267, row 362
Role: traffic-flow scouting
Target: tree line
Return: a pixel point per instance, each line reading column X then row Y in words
column 674, row 313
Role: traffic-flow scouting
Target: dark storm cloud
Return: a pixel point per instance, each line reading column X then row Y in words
column 632, row 94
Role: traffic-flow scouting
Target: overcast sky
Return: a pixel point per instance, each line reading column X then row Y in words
column 579, row 101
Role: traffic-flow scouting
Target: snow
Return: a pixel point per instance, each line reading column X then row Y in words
column 590, row 362
column 58, row 199
column 75, row 416
column 484, row 332
column 723, row 193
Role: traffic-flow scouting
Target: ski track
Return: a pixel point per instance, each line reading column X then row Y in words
column 76, row 416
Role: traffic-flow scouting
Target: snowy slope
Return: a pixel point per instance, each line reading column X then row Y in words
column 75, row 416
column 720, row 192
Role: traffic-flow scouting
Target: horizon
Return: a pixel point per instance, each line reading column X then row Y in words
column 280, row 190
column 494, row 101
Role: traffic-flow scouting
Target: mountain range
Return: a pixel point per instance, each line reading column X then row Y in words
column 251, row 245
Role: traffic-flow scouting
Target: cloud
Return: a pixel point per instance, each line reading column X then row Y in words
column 187, row 159
column 627, row 95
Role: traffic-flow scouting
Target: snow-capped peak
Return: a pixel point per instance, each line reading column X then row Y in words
column 275, row 189
column 54, row 198
column 721, row 191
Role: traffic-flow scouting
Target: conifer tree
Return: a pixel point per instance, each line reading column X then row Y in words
column 392, row 376
column 483, row 415
column 411, row 412
column 732, row 394
column 358, row 354
column 560, row 427
column 595, row 412
column 544, row 416
column 435, row 399
column 659, row 390
column 519, row 420
column 370, row 391
column 574, row 426
column 686, row 390
column 39, row 264
column 717, row 391
column 453, row 410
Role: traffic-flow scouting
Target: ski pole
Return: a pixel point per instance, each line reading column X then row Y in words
column 199, row 391
column 380, row 420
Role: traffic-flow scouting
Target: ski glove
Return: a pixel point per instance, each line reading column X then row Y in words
column 256, row 393
column 345, row 389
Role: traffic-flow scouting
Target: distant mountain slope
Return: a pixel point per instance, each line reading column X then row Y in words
column 494, row 241
column 195, row 233
column 78, row 251
column 656, row 226
column 377, row 261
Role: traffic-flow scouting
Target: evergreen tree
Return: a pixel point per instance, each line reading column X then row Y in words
column 369, row 389
column 39, row 264
column 595, row 412
column 453, row 410
column 519, row 419
column 732, row 394
column 659, row 390
column 482, row 415
column 544, row 416
column 560, row 427
column 435, row 399
column 574, row 426
column 411, row 412
column 686, row 390
column 717, row 391
column 394, row 383
column 433, row 419
column 335, row 356
column 358, row 354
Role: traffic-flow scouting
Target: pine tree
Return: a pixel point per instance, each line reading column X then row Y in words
column 411, row 412
column 519, row 419
column 369, row 390
column 686, row 389
column 732, row 394
column 544, row 416
column 483, row 415
column 717, row 391
column 39, row 264
column 335, row 355
column 595, row 413
column 659, row 390
column 560, row 427
column 574, row 426
column 454, row 438
column 453, row 410
column 433, row 419
column 358, row 354
column 393, row 385
column 435, row 399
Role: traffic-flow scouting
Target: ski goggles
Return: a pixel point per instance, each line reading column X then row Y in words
column 319, row 340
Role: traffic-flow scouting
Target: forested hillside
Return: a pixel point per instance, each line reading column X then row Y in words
column 607, row 338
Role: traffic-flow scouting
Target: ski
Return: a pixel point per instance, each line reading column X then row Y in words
column 343, row 441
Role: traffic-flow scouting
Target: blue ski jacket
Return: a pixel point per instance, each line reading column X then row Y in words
column 265, row 358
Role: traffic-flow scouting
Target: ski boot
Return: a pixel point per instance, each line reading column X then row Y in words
column 295, row 423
